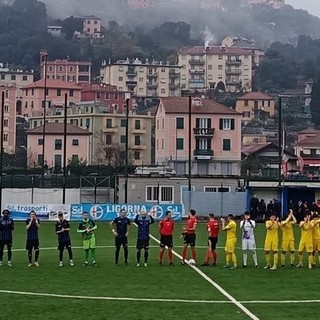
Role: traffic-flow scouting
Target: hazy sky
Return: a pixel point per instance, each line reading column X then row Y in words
column 313, row 6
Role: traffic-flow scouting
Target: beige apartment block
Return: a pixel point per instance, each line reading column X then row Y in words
column 206, row 67
column 256, row 105
column 108, row 132
column 147, row 79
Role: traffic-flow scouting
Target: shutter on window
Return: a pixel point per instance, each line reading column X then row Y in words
column 232, row 124
column 221, row 124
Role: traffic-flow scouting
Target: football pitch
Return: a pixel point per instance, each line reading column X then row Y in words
column 153, row 292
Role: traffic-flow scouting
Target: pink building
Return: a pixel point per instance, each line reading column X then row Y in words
column 215, row 136
column 9, row 121
column 33, row 95
column 92, row 26
column 107, row 94
column 78, row 146
column 65, row 70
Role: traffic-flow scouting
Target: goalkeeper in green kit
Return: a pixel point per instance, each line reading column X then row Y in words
column 87, row 227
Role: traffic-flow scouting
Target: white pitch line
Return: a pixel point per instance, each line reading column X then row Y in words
column 214, row 284
column 53, row 295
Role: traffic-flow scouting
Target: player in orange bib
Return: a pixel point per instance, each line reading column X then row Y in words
column 166, row 228
column 189, row 236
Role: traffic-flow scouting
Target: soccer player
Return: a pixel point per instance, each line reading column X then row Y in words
column 62, row 230
column 143, row 221
column 120, row 228
column 33, row 225
column 213, row 232
column 316, row 237
column 87, row 227
column 231, row 241
column 306, row 241
column 288, row 238
column 272, row 241
column 189, row 236
column 166, row 227
column 248, row 240
column 6, row 228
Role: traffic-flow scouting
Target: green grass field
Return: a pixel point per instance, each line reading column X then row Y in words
column 83, row 293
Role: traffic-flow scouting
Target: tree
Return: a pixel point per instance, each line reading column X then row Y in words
column 315, row 103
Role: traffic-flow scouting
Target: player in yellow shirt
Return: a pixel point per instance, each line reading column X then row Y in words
column 272, row 241
column 316, row 237
column 306, row 241
column 231, row 241
column 288, row 238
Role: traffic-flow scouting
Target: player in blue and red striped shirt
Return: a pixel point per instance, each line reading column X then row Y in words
column 32, row 225
column 6, row 227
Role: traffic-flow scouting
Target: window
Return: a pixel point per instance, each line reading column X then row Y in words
column 47, row 91
column 116, row 96
column 140, row 79
column 220, row 57
column 71, row 69
column 180, row 123
column 5, row 137
column 123, row 139
column 137, row 140
column 209, row 76
column 220, row 67
column 159, row 194
column 226, row 124
column 210, row 189
column 163, row 90
column 61, row 69
column 88, row 123
column 40, row 159
column 216, row 189
column 226, row 144
column 120, row 78
column 246, row 102
column 123, row 123
column 13, row 77
column 3, row 76
column 75, row 142
column 57, row 160
column 109, row 123
column 179, row 143
column 137, row 124
column 24, row 78
column 6, row 108
column 209, row 66
column 137, row 155
column 246, row 114
column 70, row 93
column 58, row 144
column 108, row 139
column 75, row 158
column 59, row 92
column 256, row 105
column 5, row 122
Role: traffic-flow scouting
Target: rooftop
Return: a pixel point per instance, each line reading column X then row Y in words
column 255, row 96
column 52, row 84
column 215, row 50
column 57, row 128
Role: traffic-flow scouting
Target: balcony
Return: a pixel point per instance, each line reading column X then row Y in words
column 208, row 132
column 131, row 83
column 233, row 82
column 197, row 61
column 196, row 71
column 138, row 147
column 236, row 62
column 131, row 73
column 173, row 74
column 203, row 154
column 233, row 71
column 195, row 83
column 139, row 130
column 111, row 130
column 174, row 86
column 152, row 85
column 152, row 75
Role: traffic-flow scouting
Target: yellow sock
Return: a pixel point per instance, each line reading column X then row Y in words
column 267, row 256
column 300, row 258
column 283, row 259
column 234, row 259
column 310, row 259
column 275, row 259
column 292, row 258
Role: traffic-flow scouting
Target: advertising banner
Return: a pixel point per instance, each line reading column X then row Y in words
column 44, row 211
column 107, row 212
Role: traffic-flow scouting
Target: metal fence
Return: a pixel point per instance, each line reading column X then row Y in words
column 219, row 203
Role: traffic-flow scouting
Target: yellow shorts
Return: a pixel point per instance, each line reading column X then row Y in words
column 288, row 245
column 271, row 245
column 308, row 246
column 316, row 245
column 230, row 245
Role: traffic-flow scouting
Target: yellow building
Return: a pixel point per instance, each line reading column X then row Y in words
column 207, row 67
column 255, row 105
column 143, row 79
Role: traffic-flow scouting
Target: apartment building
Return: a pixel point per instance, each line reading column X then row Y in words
column 92, row 26
column 208, row 67
column 147, row 79
column 64, row 69
column 256, row 105
column 108, row 132
column 77, row 141
column 33, row 95
column 9, row 119
column 215, row 135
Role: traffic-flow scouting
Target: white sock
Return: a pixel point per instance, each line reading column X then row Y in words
column 245, row 258
column 255, row 258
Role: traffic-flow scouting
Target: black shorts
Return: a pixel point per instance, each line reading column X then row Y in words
column 64, row 244
column 142, row 244
column 190, row 239
column 166, row 241
column 32, row 244
column 212, row 241
column 121, row 241
column 7, row 243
